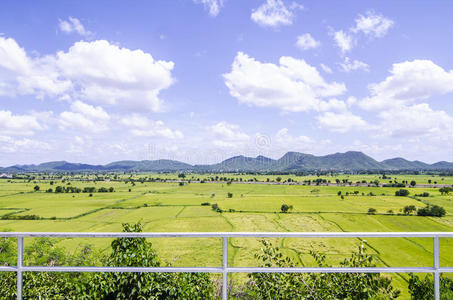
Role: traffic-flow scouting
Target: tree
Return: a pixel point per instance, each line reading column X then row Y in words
column 285, row 208
column 413, row 183
column 402, row 193
column 36, row 188
column 424, row 288
column 408, row 209
column 230, row 195
column 431, row 211
column 371, row 211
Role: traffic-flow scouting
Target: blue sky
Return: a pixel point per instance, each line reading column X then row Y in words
column 203, row 80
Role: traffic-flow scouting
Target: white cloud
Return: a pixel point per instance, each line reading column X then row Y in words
column 228, row 135
column 111, row 75
column 409, row 81
column 284, row 138
column 326, row 69
column 11, row 145
column 11, row 124
column 306, row 41
column 115, row 75
column 416, row 120
column 274, row 13
column 344, row 40
column 291, row 86
column 333, row 104
column 86, row 117
column 352, row 65
column 373, row 24
column 22, row 75
column 145, row 127
column 213, row 6
column 73, row 25
column 341, row 122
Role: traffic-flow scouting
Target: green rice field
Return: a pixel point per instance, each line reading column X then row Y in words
column 172, row 207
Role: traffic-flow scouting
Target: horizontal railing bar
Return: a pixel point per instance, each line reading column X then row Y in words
column 227, row 234
column 229, row 270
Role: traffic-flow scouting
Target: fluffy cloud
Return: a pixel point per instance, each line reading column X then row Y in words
column 343, row 40
column 306, row 41
column 274, row 13
column 11, row 124
column 115, row 75
column 73, row 25
column 341, row 122
column 213, row 6
column 416, row 120
column 143, row 126
column 12, row 145
column 111, row 75
column 84, row 116
column 284, row 138
column 291, row 86
column 409, row 81
column 22, row 75
column 228, row 135
column 351, row 65
column 372, row 24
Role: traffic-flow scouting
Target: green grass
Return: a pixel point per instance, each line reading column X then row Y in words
column 168, row 207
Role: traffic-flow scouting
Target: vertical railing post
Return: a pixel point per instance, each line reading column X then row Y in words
column 225, row 268
column 20, row 253
column 436, row 261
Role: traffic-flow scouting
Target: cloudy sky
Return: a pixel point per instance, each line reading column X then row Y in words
column 201, row 80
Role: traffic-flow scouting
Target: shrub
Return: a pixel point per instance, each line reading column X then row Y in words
column 285, row 208
column 408, row 209
column 205, row 203
column 402, row 193
column 317, row 286
column 230, row 195
column 431, row 211
column 424, row 288
column 371, row 211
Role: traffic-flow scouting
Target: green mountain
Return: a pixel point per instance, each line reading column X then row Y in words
column 290, row 162
column 404, row 164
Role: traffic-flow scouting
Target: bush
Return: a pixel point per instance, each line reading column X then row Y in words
column 317, row 286
column 285, row 208
column 408, row 209
column 431, row 211
column 402, row 193
column 230, row 195
column 424, row 288
column 371, row 211
column 205, row 204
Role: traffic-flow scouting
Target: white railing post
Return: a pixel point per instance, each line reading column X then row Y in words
column 436, row 261
column 225, row 268
column 20, row 253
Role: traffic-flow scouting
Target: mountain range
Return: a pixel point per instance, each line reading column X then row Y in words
column 290, row 162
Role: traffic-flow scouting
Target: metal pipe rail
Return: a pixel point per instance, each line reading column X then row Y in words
column 225, row 269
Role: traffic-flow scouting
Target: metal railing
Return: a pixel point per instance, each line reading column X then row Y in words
column 436, row 269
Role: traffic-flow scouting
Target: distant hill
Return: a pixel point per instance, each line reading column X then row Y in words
column 290, row 162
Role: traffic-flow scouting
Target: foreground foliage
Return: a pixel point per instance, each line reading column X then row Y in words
column 133, row 252
column 318, row 286
column 423, row 288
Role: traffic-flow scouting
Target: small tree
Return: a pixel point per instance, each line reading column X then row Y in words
column 408, row 209
column 371, row 211
column 285, row 208
column 413, row 183
column 402, row 193
column 36, row 188
column 230, row 195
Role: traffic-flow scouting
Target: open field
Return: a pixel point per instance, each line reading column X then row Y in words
column 168, row 206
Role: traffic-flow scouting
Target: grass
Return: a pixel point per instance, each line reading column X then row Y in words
column 168, row 207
